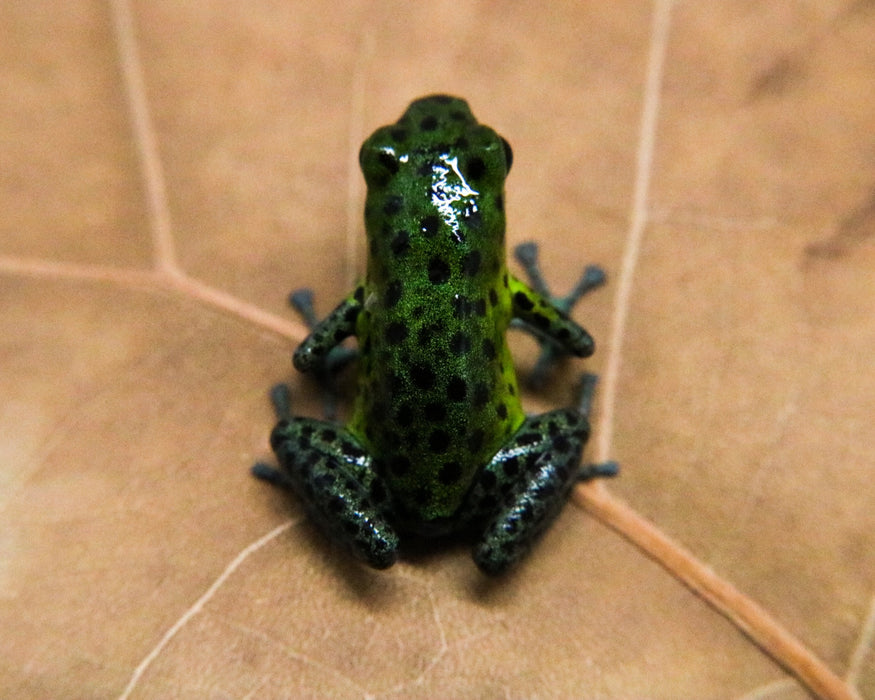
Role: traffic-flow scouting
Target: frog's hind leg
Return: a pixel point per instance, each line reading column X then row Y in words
column 524, row 487
column 592, row 278
column 532, row 506
column 331, row 473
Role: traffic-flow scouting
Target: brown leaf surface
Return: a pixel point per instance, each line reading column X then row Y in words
column 171, row 170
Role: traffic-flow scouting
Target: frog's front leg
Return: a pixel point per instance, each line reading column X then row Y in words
column 546, row 321
column 330, row 471
column 552, row 349
column 321, row 353
column 313, row 355
column 338, row 357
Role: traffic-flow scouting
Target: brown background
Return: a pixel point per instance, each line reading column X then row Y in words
column 152, row 162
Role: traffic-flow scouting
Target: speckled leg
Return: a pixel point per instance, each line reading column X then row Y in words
column 551, row 351
column 526, row 484
column 331, row 472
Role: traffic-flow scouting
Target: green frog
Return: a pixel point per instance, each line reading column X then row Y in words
column 438, row 442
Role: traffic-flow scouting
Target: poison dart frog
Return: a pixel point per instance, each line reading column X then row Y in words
column 438, row 442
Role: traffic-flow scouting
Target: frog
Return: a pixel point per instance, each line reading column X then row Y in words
column 437, row 443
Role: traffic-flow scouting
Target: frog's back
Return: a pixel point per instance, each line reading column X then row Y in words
column 438, row 394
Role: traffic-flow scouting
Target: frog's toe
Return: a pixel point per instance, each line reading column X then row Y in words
column 271, row 475
column 593, row 276
column 281, row 400
column 527, row 254
column 602, row 470
column 301, row 300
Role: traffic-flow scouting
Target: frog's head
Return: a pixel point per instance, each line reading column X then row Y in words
column 436, row 131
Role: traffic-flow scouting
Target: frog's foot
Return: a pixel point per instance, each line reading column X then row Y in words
column 301, row 300
column 588, row 384
column 281, row 400
column 592, row 278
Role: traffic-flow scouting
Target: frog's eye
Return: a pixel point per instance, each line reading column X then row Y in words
column 508, row 153
column 379, row 164
column 386, row 157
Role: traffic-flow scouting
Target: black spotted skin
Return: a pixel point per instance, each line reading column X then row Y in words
column 438, row 440
column 438, row 396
